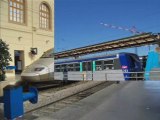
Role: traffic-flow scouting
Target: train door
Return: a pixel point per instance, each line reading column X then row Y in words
column 19, row 61
column 87, row 68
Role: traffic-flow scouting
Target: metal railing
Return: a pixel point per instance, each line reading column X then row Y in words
column 110, row 76
column 152, row 75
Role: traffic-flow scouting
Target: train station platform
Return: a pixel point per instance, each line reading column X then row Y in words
column 136, row 100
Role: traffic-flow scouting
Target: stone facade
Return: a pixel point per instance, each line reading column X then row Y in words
column 22, row 37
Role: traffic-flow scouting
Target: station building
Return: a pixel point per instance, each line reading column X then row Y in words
column 27, row 26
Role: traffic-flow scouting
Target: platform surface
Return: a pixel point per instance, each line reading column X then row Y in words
column 135, row 100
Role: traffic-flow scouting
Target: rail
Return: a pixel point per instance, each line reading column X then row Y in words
column 108, row 76
column 152, row 75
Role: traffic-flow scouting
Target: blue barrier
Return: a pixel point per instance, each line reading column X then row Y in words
column 13, row 99
column 10, row 67
column 32, row 96
column 153, row 61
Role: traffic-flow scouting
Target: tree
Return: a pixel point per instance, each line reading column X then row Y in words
column 5, row 58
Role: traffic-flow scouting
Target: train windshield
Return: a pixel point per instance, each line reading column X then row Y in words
column 48, row 54
column 135, row 58
column 135, row 62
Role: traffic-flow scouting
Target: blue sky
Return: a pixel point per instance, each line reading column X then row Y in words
column 77, row 22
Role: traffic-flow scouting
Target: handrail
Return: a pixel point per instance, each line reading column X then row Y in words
column 109, row 74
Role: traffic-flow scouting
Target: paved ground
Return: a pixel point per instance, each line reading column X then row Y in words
column 126, row 101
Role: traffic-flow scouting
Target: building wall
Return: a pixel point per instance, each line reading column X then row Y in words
column 25, row 37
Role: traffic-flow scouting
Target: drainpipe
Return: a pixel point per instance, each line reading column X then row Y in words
column 32, row 24
column 0, row 19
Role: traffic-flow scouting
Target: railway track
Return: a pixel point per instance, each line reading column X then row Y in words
column 56, row 87
column 58, row 105
column 45, row 86
column 53, row 85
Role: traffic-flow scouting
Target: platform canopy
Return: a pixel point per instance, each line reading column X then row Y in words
column 133, row 41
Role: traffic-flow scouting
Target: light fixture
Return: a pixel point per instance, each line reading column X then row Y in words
column 34, row 51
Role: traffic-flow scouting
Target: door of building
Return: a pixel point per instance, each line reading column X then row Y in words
column 19, row 61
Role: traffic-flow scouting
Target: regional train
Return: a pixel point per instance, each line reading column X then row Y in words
column 117, row 67
column 107, row 67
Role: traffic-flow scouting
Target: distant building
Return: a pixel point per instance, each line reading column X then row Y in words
column 28, row 27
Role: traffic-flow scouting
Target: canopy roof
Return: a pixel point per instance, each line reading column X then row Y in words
column 133, row 41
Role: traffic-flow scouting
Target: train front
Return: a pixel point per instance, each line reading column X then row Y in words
column 131, row 65
column 41, row 70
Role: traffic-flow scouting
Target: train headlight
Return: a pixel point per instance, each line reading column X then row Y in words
column 39, row 69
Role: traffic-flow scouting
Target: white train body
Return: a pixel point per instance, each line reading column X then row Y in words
column 41, row 70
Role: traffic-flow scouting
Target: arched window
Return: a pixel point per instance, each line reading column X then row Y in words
column 17, row 11
column 45, row 16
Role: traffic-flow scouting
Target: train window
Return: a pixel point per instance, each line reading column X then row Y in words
column 108, row 65
column 76, row 67
column 57, row 68
column 132, row 62
column 99, row 65
column 108, row 62
column 84, row 66
column 98, row 62
column 63, row 68
column 117, row 64
column 70, row 67
column 87, row 66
